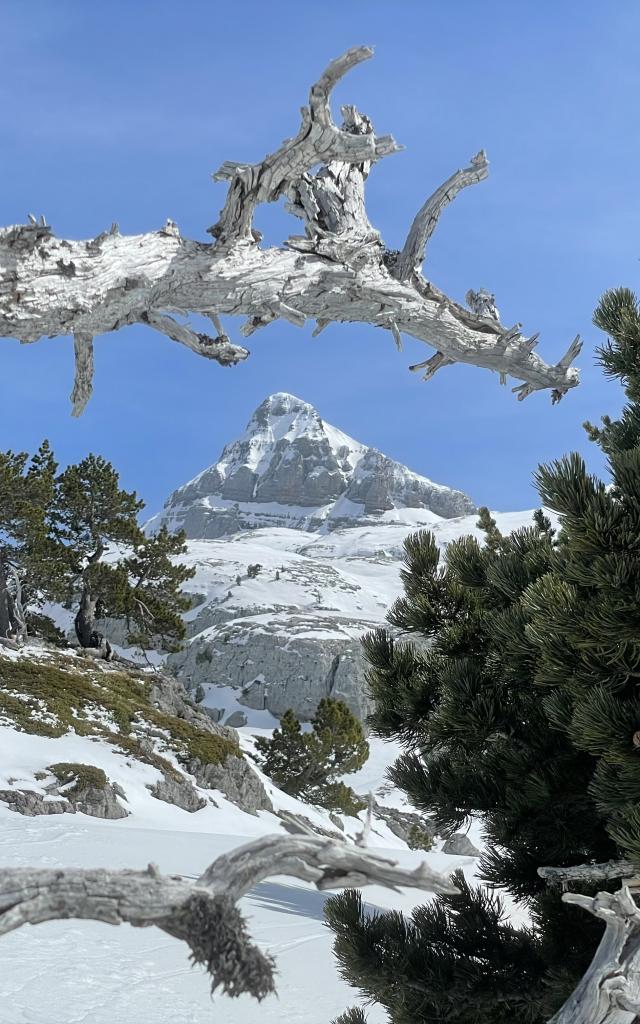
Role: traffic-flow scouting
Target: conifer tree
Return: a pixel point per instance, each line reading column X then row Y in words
column 521, row 710
column 92, row 516
column 153, row 602
column 585, row 619
column 90, row 513
column 308, row 764
column 27, row 549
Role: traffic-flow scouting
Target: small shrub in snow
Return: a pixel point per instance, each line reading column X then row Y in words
column 309, row 765
column 83, row 776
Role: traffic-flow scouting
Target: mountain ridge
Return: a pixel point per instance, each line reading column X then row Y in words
column 289, row 468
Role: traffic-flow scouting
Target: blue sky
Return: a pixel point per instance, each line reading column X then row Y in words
column 121, row 111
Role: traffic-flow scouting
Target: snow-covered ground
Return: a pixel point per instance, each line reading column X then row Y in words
column 87, row 973
column 351, row 575
column 327, row 584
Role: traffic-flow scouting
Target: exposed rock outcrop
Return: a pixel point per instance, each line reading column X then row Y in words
column 100, row 802
column 274, row 670
column 30, row 803
column 78, row 788
column 404, row 824
column 460, row 845
column 179, row 792
column 296, row 823
column 236, row 780
column 169, row 696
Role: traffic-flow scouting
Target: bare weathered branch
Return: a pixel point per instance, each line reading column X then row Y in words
column 589, row 872
column 219, row 348
column 319, row 140
column 324, row 862
column 412, row 256
column 609, row 992
column 483, row 303
column 338, row 271
column 83, row 381
column 432, row 365
column 202, row 912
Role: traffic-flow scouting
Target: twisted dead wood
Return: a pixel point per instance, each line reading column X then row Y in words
column 202, row 912
column 609, row 992
column 338, row 271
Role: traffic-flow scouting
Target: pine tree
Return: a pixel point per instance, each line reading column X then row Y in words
column 586, row 617
column 308, row 764
column 153, row 602
column 90, row 513
column 27, row 549
column 283, row 756
column 91, row 517
column 521, row 709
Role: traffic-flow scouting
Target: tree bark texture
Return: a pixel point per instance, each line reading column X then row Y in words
column 85, row 619
column 609, row 992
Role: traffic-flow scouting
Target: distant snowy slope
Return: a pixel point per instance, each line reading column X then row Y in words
column 289, row 468
column 296, row 535
column 291, row 635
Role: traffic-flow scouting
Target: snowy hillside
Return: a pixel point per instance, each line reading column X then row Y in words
column 291, row 469
column 75, row 972
column 80, row 972
column 291, row 635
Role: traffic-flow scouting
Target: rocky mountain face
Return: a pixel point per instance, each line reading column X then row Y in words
column 291, row 469
column 278, row 613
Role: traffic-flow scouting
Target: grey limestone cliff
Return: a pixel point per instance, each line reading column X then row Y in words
column 290, row 468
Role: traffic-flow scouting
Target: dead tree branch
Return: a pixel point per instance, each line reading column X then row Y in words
column 202, row 912
column 338, row 271
column 411, row 258
column 609, row 992
column 590, row 872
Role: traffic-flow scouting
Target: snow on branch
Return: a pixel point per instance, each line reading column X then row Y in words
column 202, row 912
column 339, row 271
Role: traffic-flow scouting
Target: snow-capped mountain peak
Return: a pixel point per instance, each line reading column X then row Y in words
column 291, row 469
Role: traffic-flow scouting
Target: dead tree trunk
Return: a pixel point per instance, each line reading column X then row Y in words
column 6, row 619
column 338, row 270
column 609, row 992
column 12, row 615
column 85, row 619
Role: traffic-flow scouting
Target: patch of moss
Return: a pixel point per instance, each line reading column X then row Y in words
column 52, row 696
column 418, row 839
column 85, row 776
column 188, row 741
column 134, row 748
